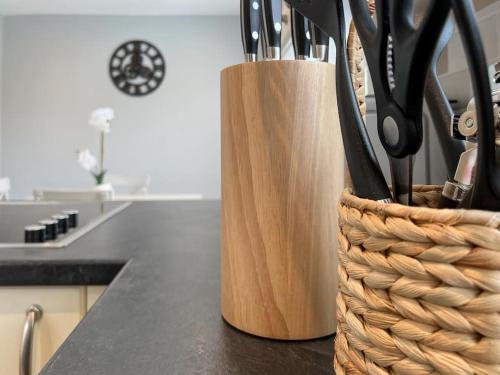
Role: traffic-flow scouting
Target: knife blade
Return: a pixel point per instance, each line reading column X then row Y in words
column 271, row 25
column 301, row 35
column 250, row 28
column 320, row 43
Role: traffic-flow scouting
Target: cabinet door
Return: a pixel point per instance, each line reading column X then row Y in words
column 63, row 307
column 93, row 294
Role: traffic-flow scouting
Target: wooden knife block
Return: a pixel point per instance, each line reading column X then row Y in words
column 282, row 176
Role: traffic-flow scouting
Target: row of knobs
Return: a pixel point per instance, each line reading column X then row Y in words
column 49, row 229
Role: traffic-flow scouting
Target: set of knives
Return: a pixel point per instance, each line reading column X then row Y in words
column 262, row 20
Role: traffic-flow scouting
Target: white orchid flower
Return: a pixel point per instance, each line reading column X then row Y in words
column 86, row 160
column 101, row 119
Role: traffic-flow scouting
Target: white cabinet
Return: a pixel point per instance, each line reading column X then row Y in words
column 93, row 294
column 63, row 307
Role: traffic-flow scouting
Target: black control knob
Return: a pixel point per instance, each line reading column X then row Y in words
column 73, row 217
column 34, row 234
column 62, row 223
column 50, row 229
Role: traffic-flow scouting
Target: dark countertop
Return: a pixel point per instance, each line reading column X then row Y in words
column 161, row 313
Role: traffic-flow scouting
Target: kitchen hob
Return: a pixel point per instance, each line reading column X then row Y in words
column 16, row 216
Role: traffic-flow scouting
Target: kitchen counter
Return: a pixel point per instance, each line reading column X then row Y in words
column 160, row 315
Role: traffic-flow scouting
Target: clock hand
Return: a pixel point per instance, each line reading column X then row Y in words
column 145, row 72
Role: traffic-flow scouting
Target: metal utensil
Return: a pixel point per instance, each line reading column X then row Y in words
column 301, row 35
column 458, row 163
column 320, row 43
column 367, row 178
column 485, row 193
column 250, row 18
column 456, row 188
column 440, row 110
column 398, row 53
column 271, row 22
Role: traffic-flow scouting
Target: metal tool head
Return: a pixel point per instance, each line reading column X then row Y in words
column 485, row 193
column 402, row 177
column 444, row 120
column 494, row 74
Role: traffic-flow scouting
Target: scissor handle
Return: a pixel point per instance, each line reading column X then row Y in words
column 485, row 193
column 399, row 108
column 367, row 177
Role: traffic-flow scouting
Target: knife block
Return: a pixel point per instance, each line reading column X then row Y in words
column 282, row 176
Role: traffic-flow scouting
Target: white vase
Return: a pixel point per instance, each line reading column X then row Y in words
column 104, row 188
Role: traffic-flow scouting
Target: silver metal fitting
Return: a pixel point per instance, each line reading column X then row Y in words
column 273, row 53
column 250, row 57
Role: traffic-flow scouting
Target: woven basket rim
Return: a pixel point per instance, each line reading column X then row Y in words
column 432, row 215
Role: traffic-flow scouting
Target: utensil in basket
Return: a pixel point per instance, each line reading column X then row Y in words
column 445, row 120
column 367, row 178
column 485, row 193
column 398, row 54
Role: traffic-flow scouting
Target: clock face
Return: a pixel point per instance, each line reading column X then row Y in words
column 137, row 68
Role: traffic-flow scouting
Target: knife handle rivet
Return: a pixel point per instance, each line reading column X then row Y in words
column 277, row 27
column 255, row 5
column 255, row 35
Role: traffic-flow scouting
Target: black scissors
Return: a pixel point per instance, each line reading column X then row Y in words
column 398, row 53
column 398, row 85
column 440, row 109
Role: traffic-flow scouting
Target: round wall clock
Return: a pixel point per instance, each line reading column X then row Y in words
column 137, row 68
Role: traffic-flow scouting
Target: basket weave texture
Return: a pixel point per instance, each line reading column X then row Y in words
column 419, row 288
column 356, row 58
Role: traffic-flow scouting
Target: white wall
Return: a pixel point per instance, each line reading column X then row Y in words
column 56, row 71
column 455, row 76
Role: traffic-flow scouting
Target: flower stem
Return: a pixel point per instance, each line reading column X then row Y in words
column 101, row 159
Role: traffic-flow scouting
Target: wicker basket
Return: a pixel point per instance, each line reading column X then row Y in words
column 419, row 288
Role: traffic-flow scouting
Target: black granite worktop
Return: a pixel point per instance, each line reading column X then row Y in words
column 161, row 313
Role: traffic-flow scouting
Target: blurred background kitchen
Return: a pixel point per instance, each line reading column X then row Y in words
column 54, row 72
column 55, row 60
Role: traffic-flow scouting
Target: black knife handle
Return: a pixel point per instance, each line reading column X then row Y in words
column 271, row 21
column 301, row 35
column 320, row 42
column 440, row 109
column 250, row 27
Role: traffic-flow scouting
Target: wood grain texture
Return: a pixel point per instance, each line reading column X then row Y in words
column 282, row 176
